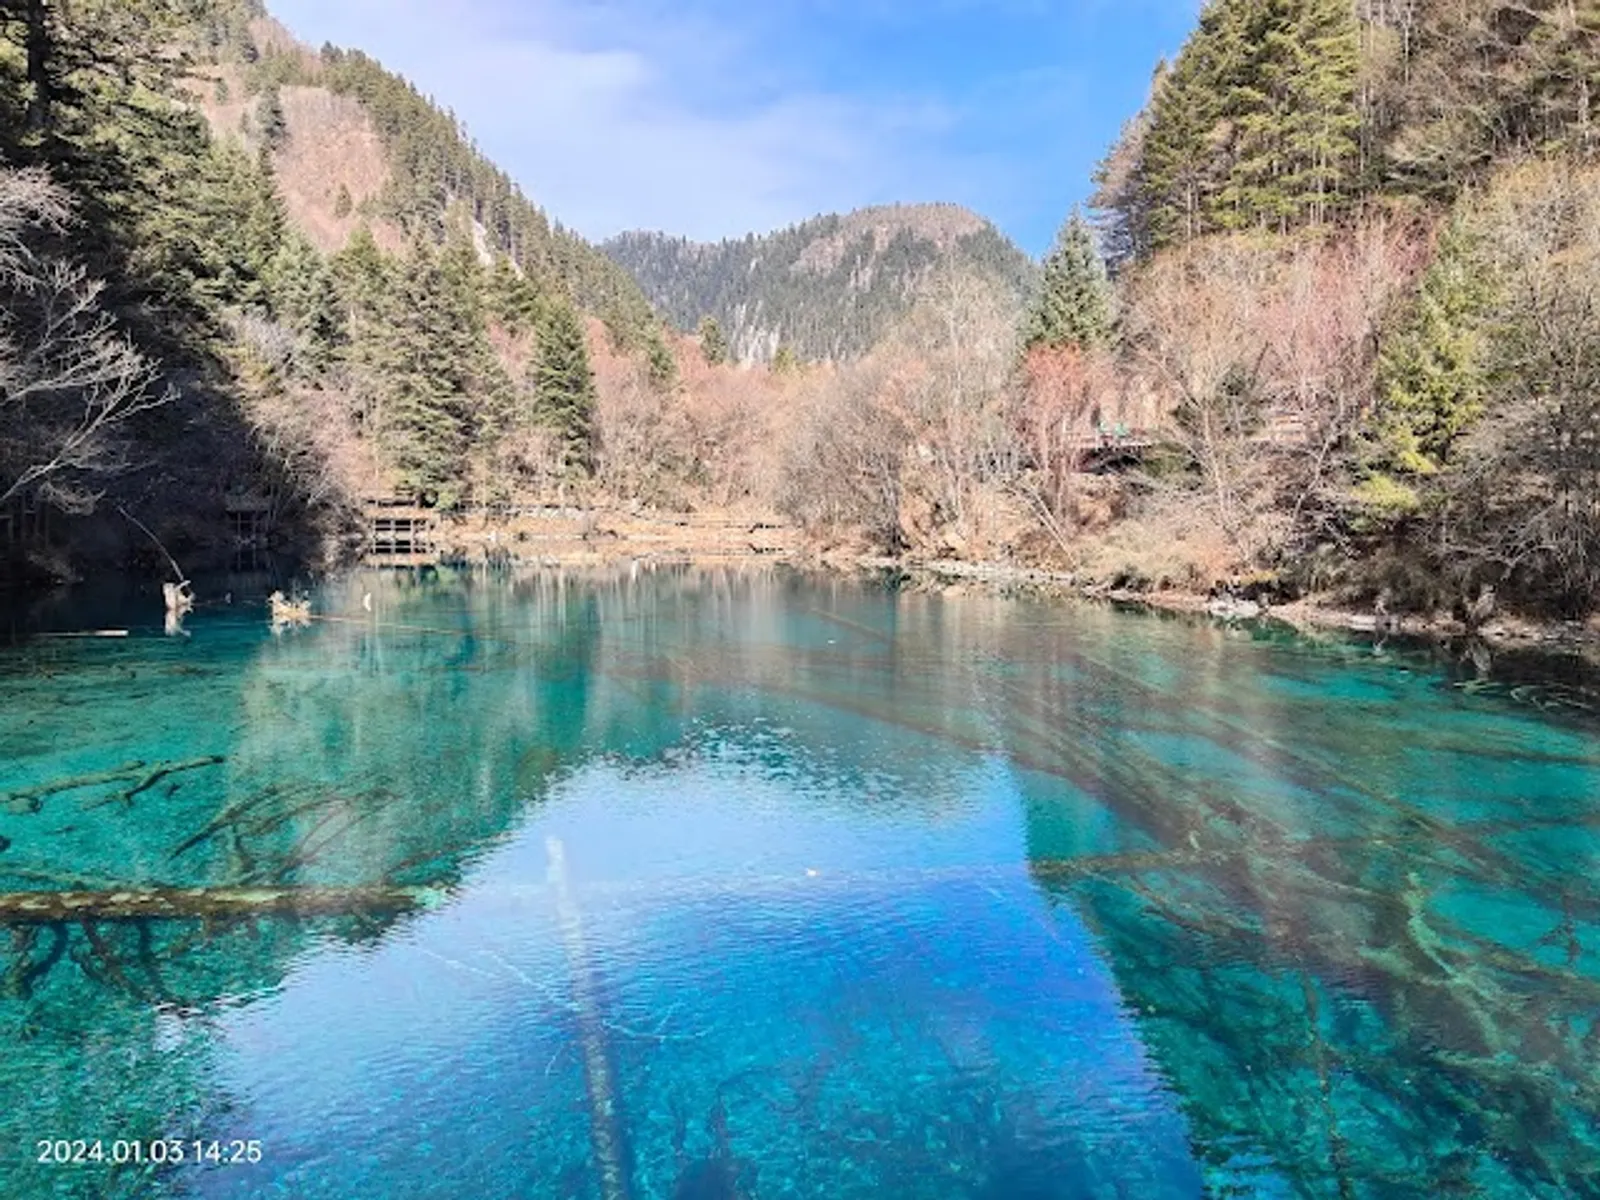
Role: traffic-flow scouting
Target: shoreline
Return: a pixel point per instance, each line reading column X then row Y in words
column 600, row 537
column 1509, row 630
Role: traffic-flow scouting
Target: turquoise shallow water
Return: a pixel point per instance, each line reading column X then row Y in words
column 704, row 885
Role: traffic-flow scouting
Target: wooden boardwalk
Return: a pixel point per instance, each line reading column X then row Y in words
column 1104, row 450
column 399, row 529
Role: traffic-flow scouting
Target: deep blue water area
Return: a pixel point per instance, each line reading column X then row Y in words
column 714, row 884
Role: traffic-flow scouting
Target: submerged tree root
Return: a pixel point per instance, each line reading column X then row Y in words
column 139, row 775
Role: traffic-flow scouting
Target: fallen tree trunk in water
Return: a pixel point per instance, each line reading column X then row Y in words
column 209, row 904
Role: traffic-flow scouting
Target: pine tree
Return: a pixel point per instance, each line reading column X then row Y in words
column 1433, row 373
column 660, row 365
column 1293, row 102
column 364, row 281
column 713, row 344
column 1182, row 157
column 563, row 385
column 422, row 430
column 1074, row 305
column 270, row 119
column 362, row 274
column 512, row 298
column 303, row 295
column 1119, row 201
column 462, row 271
column 1255, row 124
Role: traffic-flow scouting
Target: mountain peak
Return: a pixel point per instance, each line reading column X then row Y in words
column 829, row 287
column 942, row 225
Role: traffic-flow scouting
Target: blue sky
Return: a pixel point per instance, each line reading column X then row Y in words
column 714, row 118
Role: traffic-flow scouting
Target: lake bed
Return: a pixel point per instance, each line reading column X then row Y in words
column 700, row 883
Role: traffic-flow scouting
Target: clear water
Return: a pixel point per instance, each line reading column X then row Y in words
column 756, row 885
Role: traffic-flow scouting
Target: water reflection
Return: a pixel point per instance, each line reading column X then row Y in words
column 865, row 894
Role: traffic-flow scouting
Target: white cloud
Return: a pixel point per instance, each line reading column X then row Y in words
column 605, row 137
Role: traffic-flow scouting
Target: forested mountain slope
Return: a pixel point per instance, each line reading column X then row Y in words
column 431, row 168
column 286, row 274
column 828, row 288
column 1358, row 271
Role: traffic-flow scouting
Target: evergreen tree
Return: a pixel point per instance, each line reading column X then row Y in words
column 428, row 361
column 305, row 297
column 512, row 298
column 1293, row 101
column 1074, row 305
column 1255, row 124
column 660, row 365
column 270, row 119
column 1119, row 200
column 363, row 276
column 785, row 361
column 563, row 385
column 463, row 271
column 713, row 344
column 1433, row 373
column 364, row 281
column 1182, row 161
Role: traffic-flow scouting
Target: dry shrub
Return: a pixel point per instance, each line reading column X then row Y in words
column 914, row 446
column 844, row 455
column 706, row 441
column 1063, row 397
column 645, row 444
column 1522, row 504
column 529, row 461
column 732, row 413
column 1262, row 353
column 1169, row 545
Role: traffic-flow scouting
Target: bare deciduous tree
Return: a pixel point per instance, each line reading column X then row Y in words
column 1265, row 350
column 1195, row 328
column 69, row 380
column 1523, row 505
column 1062, row 397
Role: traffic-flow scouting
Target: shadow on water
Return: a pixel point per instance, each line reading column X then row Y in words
column 1358, row 913
column 135, row 603
column 270, row 795
column 722, row 1175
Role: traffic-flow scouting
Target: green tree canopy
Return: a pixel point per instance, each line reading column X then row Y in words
column 1074, row 305
column 1255, row 125
column 563, row 385
column 660, row 364
column 1432, row 376
column 713, row 343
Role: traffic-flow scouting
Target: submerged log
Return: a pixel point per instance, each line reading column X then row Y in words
column 209, row 904
column 605, row 1115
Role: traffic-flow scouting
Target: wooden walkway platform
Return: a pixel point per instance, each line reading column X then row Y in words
column 399, row 529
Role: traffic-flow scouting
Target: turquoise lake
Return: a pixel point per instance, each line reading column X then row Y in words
column 704, row 884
